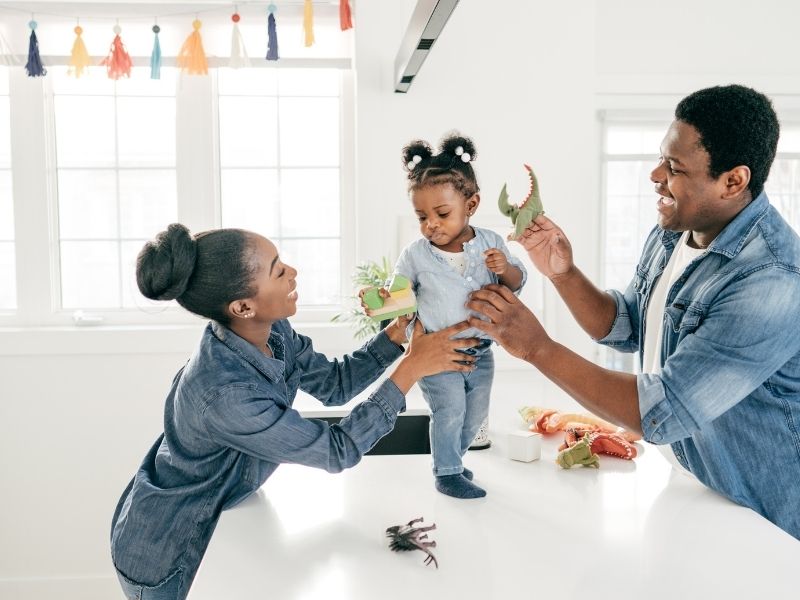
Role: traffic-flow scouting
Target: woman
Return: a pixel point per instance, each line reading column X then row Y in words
column 228, row 419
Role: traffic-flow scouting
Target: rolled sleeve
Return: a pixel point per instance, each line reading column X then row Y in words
column 623, row 331
column 663, row 420
column 384, row 350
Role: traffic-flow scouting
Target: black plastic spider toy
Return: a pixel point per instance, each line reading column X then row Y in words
column 407, row 537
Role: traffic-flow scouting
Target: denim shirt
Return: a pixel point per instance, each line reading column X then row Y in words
column 728, row 396
column 441, row 291
column 228, row 424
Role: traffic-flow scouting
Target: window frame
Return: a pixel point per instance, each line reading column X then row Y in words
column 34, row 178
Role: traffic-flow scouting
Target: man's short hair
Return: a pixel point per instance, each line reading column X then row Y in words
column 737, row 126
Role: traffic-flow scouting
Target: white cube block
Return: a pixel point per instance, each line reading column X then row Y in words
column 524, row 445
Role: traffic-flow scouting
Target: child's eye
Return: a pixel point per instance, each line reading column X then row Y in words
column 421, row 219
column 444, row 216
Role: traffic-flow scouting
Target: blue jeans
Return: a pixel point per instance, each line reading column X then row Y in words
column 459, row 403
column 171, row 588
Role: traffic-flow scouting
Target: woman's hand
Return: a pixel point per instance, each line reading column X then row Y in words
column 548, row 247
column 431, row 353
column 510, row 323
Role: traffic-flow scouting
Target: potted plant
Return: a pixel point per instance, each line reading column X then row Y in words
column 367, row 273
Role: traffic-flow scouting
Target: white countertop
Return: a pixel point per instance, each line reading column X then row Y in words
column 627, row 529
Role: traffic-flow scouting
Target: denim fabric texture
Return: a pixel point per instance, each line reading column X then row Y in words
column 228, row 424
column 459, row 403
column 441, row 291
column 728, row 396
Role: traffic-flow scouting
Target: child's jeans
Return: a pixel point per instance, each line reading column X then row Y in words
column 172, row 588
column 459, row 403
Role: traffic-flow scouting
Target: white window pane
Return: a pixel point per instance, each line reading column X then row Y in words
column 309, row 132
column 250, row 200
column 5, row 133
column 90, row 275
column 146, row 130
column 318, row 266
column 309, row 82
column 3, row 81
column 93, row 81
column 131, row 297
column 8, row 281
column 248, row 82
column 140, row 83
column 148, row 202
column 789, row 140
column 619, row 275
column 630, row 177
column 635, row 138
column 87, row 204
column 85, row 131
column 6, row 207
column 310, row 202
column 248, row 132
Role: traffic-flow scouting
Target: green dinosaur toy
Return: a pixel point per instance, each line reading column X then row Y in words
column 531, row 207
column 580, row 453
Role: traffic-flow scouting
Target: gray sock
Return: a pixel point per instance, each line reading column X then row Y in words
column 458, row 486
column 467, row 473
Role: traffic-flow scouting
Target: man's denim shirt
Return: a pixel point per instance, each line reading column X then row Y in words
column 228, row 424
column 728, row 396
column 442, row 293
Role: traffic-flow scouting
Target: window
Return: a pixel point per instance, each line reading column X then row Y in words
column 115, row 151
column 630, row 152
column 8, row 280
column 280, row 168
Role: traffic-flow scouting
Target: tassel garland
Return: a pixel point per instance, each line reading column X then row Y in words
column 155, row 57
column 118, row 62
column 80, row 57
column 345, row 16
column 34, row 66
column 191, row 57
column 272, row 34
column 308, row 23
column 239, row 56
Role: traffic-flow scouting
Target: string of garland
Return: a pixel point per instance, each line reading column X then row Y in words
column 191, row 57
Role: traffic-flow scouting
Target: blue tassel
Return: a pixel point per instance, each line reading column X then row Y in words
column 155, row 58
column 34, row 67
column 272, row 34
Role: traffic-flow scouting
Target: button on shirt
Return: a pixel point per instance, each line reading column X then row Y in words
column 441, row 290
column 728, row 394
column 228, row 424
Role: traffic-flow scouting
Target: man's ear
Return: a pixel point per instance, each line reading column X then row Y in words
column 241, row 309
column 736, row 181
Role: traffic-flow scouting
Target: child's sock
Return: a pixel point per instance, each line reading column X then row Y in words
column 458, row 486
column 467, row 473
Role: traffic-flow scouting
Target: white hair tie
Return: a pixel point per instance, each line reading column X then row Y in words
column 415, row 160
column 465, row 157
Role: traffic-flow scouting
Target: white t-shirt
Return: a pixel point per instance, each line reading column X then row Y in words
column 681, row 257
column 455, row 259
column 651, row 361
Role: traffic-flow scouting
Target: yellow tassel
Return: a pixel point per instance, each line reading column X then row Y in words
column 80, row 57
column 308, row 22
column 191, row 57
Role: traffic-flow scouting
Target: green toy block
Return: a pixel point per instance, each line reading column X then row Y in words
column 372, row 298
column 399, row 282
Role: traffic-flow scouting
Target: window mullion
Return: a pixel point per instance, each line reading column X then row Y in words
column 33, row 174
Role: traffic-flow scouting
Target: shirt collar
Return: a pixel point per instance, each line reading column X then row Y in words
column 271, row 368
column 732, row 238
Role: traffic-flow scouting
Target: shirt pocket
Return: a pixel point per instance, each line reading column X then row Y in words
column 641, row 281
column 683, row 318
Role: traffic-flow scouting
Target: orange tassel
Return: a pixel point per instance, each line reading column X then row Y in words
column 192, row 57
column 308, row 23
column 118, row 62
column 345, row 16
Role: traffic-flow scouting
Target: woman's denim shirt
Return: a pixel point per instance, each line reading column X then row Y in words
column 228, row 424
column 442, row 292
column 728, row 396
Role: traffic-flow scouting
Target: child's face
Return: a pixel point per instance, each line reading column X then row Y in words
column 443, row 215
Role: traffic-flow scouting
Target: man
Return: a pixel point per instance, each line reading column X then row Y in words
column 712, row 310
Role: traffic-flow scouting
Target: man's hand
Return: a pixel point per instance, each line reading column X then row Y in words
column 496, row 261
column 548, row 247
column 510, row 323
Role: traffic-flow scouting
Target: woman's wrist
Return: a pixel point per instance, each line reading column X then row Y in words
column 404, row 376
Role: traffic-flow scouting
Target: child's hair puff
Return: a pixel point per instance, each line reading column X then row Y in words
column 453, row 164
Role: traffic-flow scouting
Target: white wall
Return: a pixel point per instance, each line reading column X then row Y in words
column 524, row 79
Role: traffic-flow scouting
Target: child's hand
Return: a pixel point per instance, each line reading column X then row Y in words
column 496, row 261
column 383, row 292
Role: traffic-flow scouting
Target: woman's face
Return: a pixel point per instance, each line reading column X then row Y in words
column 276, row 295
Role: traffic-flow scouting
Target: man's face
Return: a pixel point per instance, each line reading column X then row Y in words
column 689, row 198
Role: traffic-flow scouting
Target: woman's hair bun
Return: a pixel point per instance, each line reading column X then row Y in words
column 419, row 148
column 455, row 140
column 165, row 264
